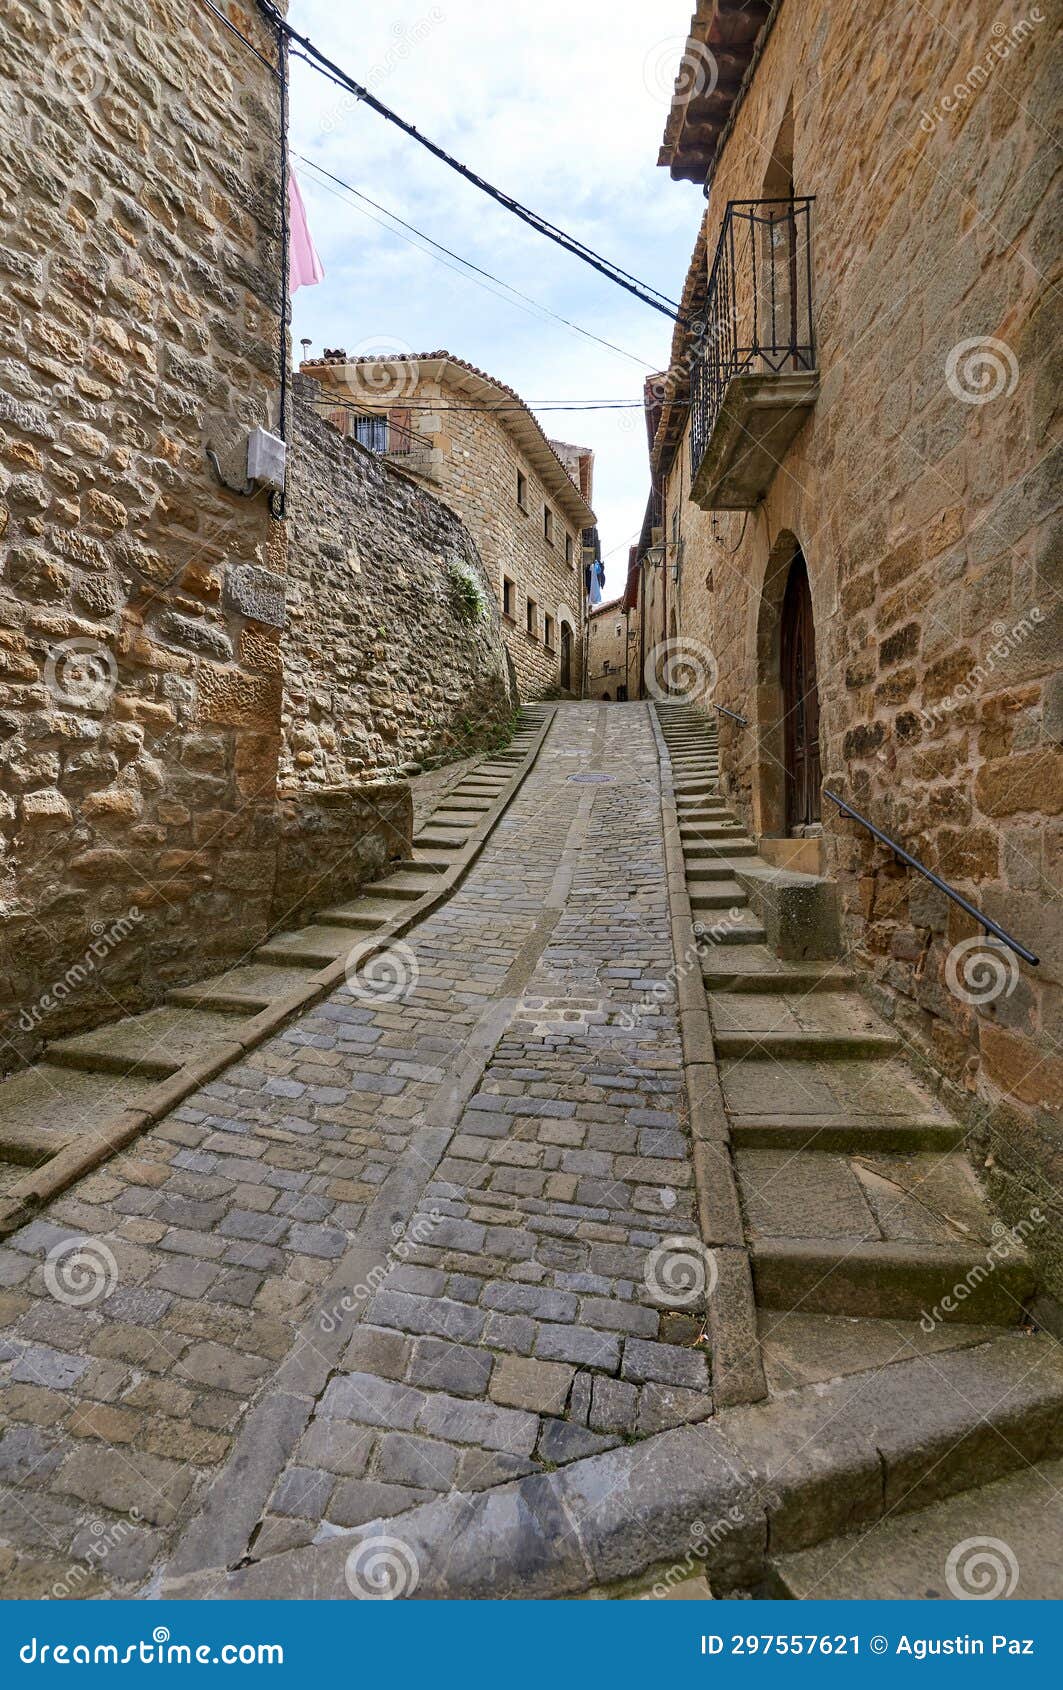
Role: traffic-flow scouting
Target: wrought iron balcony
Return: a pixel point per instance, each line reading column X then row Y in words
column 754, row 377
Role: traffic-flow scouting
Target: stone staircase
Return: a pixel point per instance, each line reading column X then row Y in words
column 106, row 1084
column 869, row 1236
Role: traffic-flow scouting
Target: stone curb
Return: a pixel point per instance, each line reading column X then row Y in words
column 29, row 1194
column 722, row 1497
column 737, row 1370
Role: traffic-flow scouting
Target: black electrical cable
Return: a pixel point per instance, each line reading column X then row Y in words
column 467, row 262
column 623, row 278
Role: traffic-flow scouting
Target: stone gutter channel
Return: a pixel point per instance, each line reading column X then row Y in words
column 29, row 1194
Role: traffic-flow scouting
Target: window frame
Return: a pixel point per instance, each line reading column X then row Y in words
column 531, row 618
column 548, row 525
column 509, row 595
column 522, row 492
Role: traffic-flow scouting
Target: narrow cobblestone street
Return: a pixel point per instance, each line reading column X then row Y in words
column 475, row 1174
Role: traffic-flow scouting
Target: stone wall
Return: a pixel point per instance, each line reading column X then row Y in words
column 392, row 654
column 471, row 458
column 139, row 601
column 921, row 493
column 330, row 841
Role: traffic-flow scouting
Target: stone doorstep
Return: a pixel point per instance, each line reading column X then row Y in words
column 893, row 1280
column 142, row 1107
column 753, row 1484
column 846, row 1133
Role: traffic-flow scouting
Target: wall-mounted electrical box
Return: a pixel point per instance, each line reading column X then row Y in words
column 266, row 458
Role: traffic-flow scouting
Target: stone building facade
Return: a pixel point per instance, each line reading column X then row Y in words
column 160, row 791
column 526, row 500
column 612, row 652
column 897, row 530
column 140, row 600
column 392, row 653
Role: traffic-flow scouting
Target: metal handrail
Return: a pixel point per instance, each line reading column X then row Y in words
column 735, row 717
column 934, row 879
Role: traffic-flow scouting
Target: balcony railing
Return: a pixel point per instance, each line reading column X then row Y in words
column 759, row 332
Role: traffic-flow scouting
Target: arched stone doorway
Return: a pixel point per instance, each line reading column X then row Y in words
column 786, row 788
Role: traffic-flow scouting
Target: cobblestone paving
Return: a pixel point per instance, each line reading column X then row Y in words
column 409, row 1246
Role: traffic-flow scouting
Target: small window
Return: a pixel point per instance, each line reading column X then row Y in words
column 568, row 549
column 533, row 618
column 509, row 595
column 372, row 432
column 522, row 490
column 548, row 525
column 548, row 631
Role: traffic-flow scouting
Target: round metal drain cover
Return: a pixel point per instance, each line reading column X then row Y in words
column 589, row 780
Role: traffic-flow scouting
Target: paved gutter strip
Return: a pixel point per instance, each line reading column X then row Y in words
column 754, row 1482
column 737, row 1370
column 28, row 1195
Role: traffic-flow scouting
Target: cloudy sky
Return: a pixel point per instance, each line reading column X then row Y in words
column 563, row 106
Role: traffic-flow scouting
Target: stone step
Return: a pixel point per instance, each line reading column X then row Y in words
column 803, row 1045
column 439, row 839
column 315, row 946
column 151, row 1046
column 890, row 1279
column 809, row 1349
column 712, row 868
column 26, row 1145
column 717, row 895
column 801, row 978
column 1001, row 1541
column 721, row 929
column 424, row 863
column 362, row 913
column 846, row 1133
column 404, row 885
column 465, row 818
column 708, row 803
column 222, row 1000
column 470, row 806
column 877, row 1087
column 728, row 847
column 65, row 1101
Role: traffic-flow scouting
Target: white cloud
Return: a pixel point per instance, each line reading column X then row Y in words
column 562, row 106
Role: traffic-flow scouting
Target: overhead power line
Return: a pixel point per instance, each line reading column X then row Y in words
column 538, row 305
column 334, row 73
column 400, row 403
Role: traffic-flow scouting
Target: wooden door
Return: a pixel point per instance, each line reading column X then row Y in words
column 566, row 657
column 800, row 701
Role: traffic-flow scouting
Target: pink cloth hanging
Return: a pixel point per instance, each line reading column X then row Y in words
column 304, row 266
